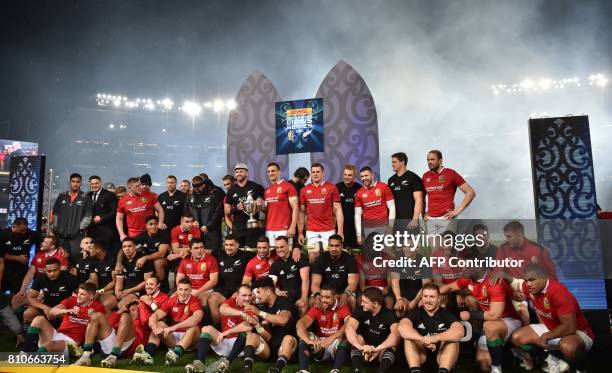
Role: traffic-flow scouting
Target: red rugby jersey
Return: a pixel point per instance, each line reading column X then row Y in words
column 145, row 311
column 184, row 238
column 258, row 268
column 74, row 326
column 319, row 203
column 556, row 300
column 278, row 215
column 441, row 187
column 373, row 201
column 136, row 210
column 374, row 276
column 41, row 258
column 485, row 293
column 198, row 271
column 178, row 311
column 330, row 321
column 228, row 322
column 529, row 252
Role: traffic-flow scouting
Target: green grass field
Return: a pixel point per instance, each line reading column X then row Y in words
column 465, row 364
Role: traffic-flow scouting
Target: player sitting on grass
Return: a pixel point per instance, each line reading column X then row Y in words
column 372, row 331
column 281, row 315
column 118, row 335
column 431, row 332
column 183, row 314
column 328, row 343
column 76, row 312
column 228, row 343
column 563, row 327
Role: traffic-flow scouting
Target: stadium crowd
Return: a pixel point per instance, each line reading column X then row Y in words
column 282, row 273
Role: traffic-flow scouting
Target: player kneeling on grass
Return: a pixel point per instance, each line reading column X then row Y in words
column 495, row 310
column 229, row 343
column 431, row 332
column 180, row 333
column 328, row 343
column 562, row 326
column 372, row 331
column 76, row 312
column 118, row 335
column 280, row 314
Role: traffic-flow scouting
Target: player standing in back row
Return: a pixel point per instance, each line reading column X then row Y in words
column 441, row 183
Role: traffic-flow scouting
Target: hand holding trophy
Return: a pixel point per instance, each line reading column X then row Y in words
column 250, row 208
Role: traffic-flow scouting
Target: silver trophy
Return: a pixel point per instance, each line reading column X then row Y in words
column 250, row 208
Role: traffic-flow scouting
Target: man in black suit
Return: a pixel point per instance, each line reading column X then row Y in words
column 102, row 226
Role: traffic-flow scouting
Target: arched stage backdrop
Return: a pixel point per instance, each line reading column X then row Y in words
column 350, row 125
column 250, row 129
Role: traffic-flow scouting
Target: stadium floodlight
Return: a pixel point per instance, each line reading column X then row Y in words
column 218, row 105
column 192, row 108
column 167, row 103
column 547, row 84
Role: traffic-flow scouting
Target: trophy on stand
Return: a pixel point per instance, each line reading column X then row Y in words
column 250, row 208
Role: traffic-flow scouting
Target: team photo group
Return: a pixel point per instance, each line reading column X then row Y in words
column 284, row 273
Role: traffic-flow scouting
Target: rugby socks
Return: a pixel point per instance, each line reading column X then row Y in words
column 116, row 351
column 31, row 339
column 356, row 360
column 442, row 370
column 151, row 348
column 237, row 347
column 87, row 349
column 415, row 370
column 304, row 355
column 281, row 362
column 342, row 355
column 387, row 359
column 203, row 346
column 249, row 357
column 179, row 350
column 496, row 350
